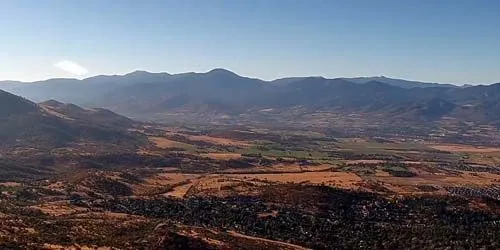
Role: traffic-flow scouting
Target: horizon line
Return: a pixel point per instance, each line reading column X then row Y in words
column 230, row 71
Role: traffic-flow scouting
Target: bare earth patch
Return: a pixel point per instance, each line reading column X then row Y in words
column 180, row 191
column 164, row 180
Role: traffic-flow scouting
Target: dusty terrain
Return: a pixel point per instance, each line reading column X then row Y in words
column 254, row 189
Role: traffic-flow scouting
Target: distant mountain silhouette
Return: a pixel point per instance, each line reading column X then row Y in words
column 398, row 82
column 143, row 94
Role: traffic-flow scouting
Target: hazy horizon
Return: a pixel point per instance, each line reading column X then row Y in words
column 445, row 42
column 254, row 77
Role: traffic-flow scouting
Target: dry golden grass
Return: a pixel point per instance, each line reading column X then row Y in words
column 322, row 167
column 291, row 168
column 285, row 168
column 59, row 208
column 165, row 143
column 218, row 140
column 381, row 173
column 336, row 179
column 155, row 184
column 464, row 148
column 222, row 185
column 180, row 191
column 159, row 181
column 213, row 182
column 170, row 178
column 474, row 178
column 222, row 156
column 466, row 178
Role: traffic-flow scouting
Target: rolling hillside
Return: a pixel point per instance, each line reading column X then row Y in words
column 50, row 125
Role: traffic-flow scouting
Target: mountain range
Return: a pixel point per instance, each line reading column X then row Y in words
column 141, row 94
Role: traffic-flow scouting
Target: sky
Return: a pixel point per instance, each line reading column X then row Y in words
column 448, row 41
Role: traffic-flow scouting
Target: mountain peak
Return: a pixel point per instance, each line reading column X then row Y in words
column 138, row 73
column 143, row 73
column 52, row 103
column 408, row 84
column 221, row 71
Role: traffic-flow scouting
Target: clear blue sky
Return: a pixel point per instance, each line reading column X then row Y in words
column 454, row 41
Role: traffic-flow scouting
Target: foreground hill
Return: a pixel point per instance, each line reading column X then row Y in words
column 27, row 125
column 220, row 92
column 13, row 105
